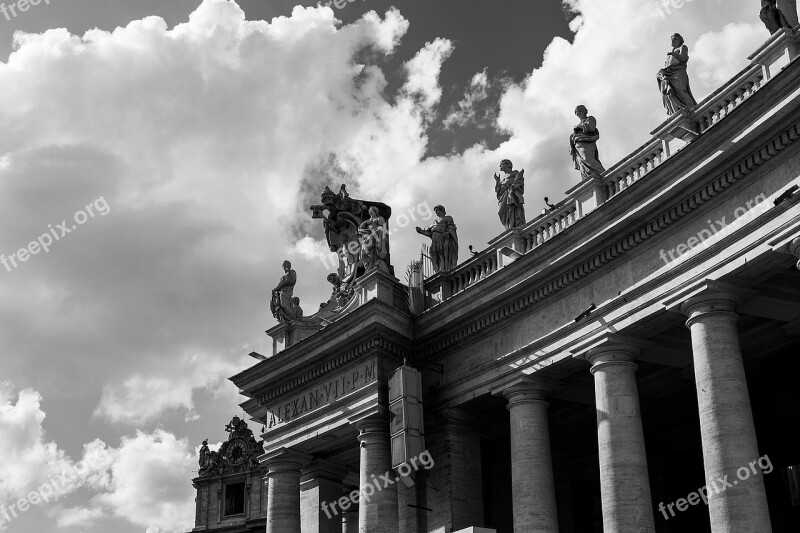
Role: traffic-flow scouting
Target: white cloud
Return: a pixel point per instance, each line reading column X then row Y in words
column 68, row 517
column 144, row 481
column 141, row 399
column 423, row 72
column 150, row 483
column 35, row 461
column 476, row 93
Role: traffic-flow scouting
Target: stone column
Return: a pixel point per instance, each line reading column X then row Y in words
column 283, row 499
column 377, row 512
column 533, row 490
column 726, row 418
column 453, row 440
column 624, row 483
column 320, row 492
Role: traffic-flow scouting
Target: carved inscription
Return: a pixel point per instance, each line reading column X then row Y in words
column 320, row 395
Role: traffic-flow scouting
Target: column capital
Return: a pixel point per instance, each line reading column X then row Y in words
column 285, row 460
column 611, row 348
column 709, row 296
column 321, row 469
column 536, row 386
column 372, row 430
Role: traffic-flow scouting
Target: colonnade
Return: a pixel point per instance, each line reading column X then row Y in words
column 726, row 425
column 324, row 487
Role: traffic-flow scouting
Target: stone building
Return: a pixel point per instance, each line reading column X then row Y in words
column 625, row 362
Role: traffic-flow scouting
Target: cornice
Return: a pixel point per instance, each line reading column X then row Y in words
column 377, row 342
column 689, row 203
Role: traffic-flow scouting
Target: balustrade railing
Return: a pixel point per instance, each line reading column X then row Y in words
column 775, row 53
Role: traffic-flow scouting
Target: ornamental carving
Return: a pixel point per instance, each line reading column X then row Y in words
column 238, row 453
column 358, row 232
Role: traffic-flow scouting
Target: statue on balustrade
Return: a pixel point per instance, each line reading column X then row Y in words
column 510, row 189
column 673, row 81
column 374, row 239
column 281, row 304
column 444, row 240
column 772, row 17
column 583, row 145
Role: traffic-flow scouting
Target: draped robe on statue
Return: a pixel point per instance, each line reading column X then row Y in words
column 510, row 189
column 583, row 147
column 444, row 243
column 673, row 81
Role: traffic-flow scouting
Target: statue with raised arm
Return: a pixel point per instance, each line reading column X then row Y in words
column 444, row 240
column 510, row 189
column 583, row 145
column 673, row 81
column 772, row 17
column 281, row 304
column 374, row 240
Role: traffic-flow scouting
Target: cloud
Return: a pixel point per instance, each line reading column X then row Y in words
column 193, row 135
column 476, row 93
column 150, row 485
column 142, row 399
column 67, row 517
column 40, row 472
column 35, row 461
column 143, row 481
column 423, row 72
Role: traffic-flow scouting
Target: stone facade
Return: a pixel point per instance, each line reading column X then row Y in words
column 623, row 363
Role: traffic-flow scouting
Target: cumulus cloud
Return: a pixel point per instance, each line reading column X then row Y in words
column 143, row 481
column 423, row 73
column 67, row 517
column 40, row 472
column 149, row 484
column 141, row 399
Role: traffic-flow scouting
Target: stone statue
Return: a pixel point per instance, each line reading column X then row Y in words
column 673, row 81
column 510, row 189
column 281, row 304
column 772, row 17
column 374, row 239
column 204, row 453
column 341, row 292
column 444, row 240
column 297, row 311
column 211, row 466
column 357, row 230
column 583, row 145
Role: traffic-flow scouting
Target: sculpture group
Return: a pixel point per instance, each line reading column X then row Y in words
column 358, row 231
column 240, row 451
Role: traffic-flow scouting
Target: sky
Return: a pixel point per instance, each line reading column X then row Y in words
column 162, row 157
